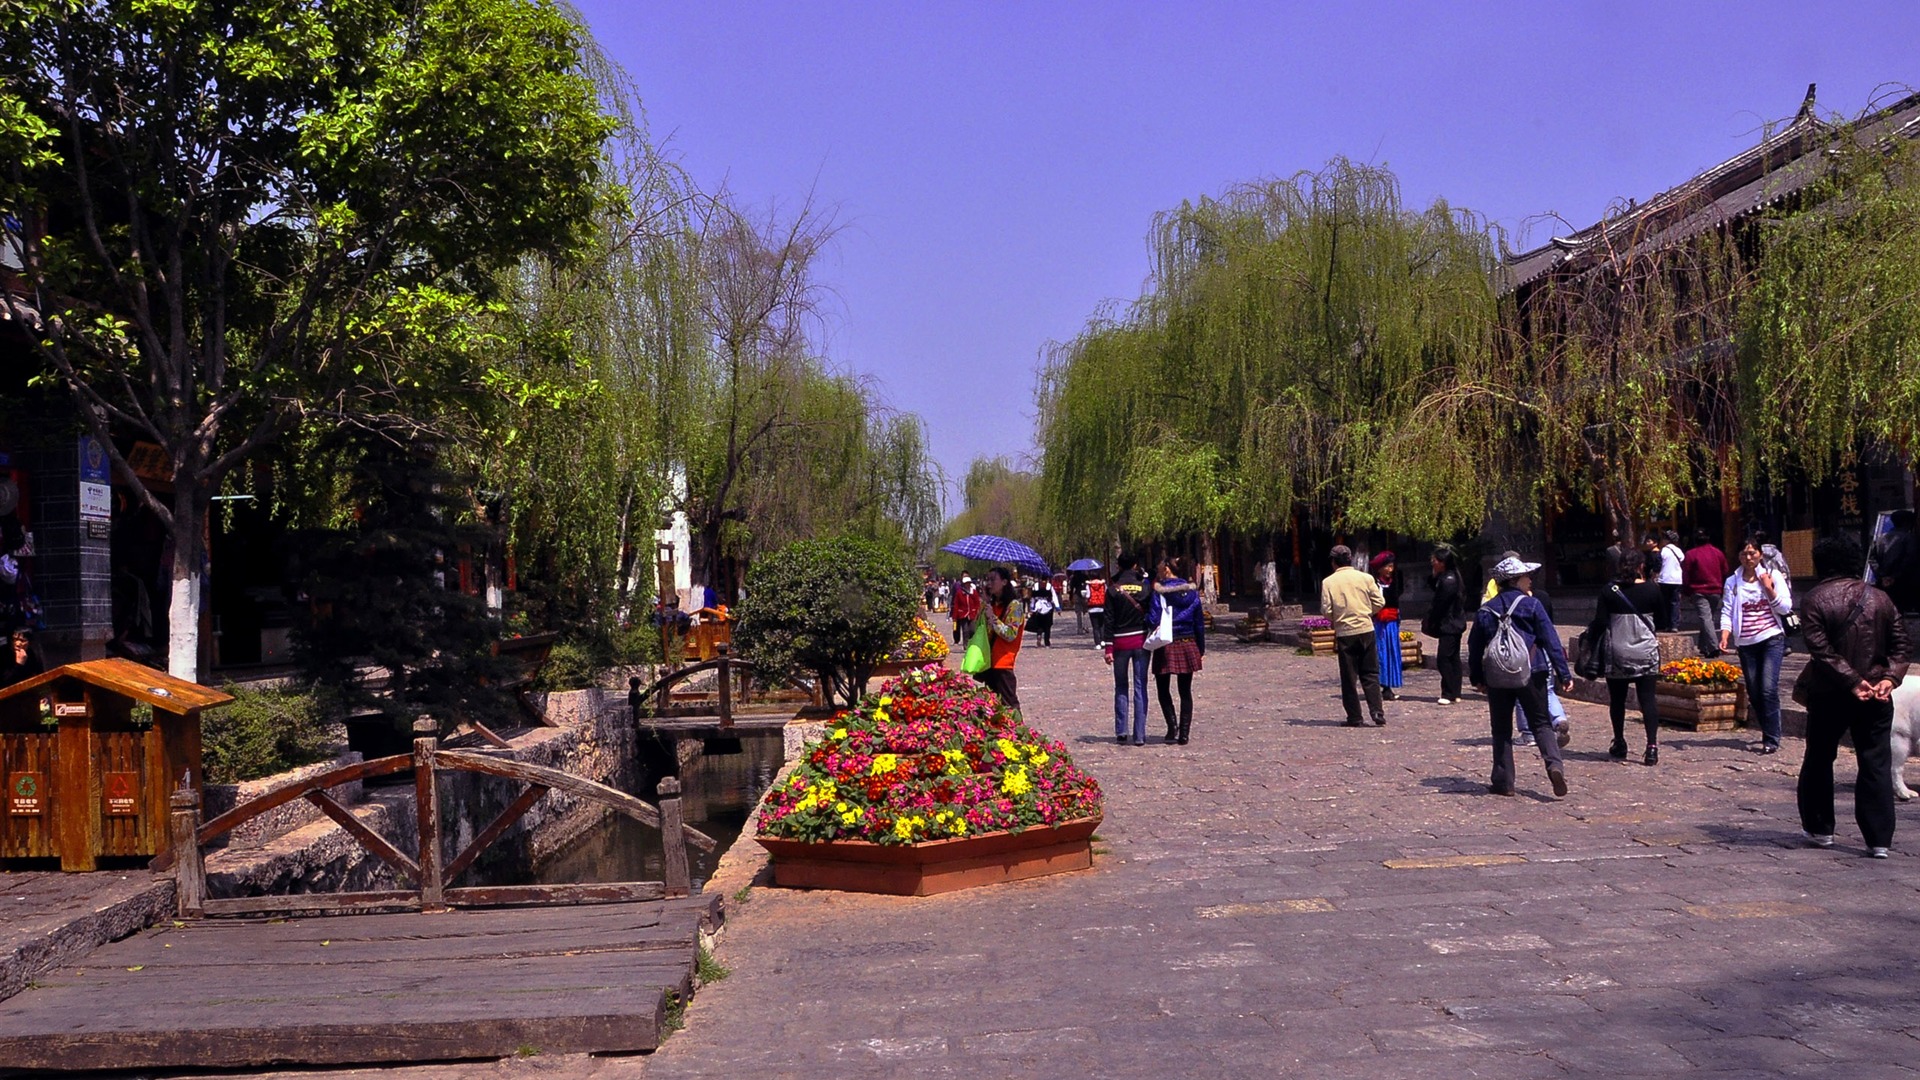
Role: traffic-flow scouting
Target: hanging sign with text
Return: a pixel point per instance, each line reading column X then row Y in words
column 121, row 792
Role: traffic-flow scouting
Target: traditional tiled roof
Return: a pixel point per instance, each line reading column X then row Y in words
column 1783, row 163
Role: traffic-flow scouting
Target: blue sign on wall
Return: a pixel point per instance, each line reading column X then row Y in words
column 94, row 465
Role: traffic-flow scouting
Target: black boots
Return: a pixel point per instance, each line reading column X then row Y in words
column 1185, row 725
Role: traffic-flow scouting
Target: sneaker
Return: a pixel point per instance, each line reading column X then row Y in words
column 1558, row 779
column 1879, row 853
column 1523, row 740
column 1445, row 701
column 1563, row 734
column 1820, row 839
column 1618, row 751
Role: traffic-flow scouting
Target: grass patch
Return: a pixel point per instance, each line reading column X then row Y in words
column 743, row 894
column 676, row 1012
column 526, row 1051
column 709, row 970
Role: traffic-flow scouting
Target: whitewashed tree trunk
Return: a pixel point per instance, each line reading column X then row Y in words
column 183, row 608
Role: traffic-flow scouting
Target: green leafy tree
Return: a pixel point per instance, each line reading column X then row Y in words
column 247, row 214
column 833, row 607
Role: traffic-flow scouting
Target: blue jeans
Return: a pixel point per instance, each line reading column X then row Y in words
column 1134, row 660
column 1760, row 662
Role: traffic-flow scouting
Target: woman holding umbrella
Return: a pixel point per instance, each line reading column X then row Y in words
column 1005, row 615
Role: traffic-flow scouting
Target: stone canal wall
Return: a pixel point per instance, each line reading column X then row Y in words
column 593, row 740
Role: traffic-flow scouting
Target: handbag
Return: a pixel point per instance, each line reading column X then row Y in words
column 1161, row 635
column 1590, row 660
column 979, row 655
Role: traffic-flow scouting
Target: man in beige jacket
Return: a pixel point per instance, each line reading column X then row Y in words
column 1350, row 598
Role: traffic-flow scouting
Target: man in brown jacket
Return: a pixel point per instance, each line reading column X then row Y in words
column 1857, row 648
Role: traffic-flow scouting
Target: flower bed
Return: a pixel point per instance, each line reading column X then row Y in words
column 1700, row 695
column 1316, row 635
column 931, row 757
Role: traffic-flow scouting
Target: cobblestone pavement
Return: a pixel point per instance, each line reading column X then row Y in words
column 1286, row 896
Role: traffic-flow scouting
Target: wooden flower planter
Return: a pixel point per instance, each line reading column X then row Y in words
column 933, row 866
column 1321, row 641
column 1699, row 708
column 1412, row 654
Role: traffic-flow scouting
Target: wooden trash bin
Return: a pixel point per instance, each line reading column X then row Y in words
column 89, row 754
column 714, row 630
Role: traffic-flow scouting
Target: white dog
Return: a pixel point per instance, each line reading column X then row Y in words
column 1906, row 732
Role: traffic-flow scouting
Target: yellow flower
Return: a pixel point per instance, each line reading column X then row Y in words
column 886, row 699
column 959, row 826
column 884, row 763
column 840, row 807
column 1039, row 758
column 839, row 733
column 1009, row 748
column 1016, row 782
column 956, row 761
column 903, row 828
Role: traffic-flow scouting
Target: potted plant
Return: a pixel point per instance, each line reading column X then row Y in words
column 925, row 787
column 1702, row 695
column 919, row 646
column 1412, row 652
column 1318, row 632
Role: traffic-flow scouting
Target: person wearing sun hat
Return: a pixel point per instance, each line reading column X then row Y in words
column 1545, row 660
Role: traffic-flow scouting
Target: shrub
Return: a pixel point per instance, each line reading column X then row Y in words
column 264, row 732
column 833, row 607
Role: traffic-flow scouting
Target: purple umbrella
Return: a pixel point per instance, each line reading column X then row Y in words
column 999, row 549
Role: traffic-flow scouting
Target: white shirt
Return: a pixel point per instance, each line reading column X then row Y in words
column 1670, row 559
column 1745, row 611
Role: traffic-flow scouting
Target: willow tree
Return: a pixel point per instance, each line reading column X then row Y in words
column 1287, row 328
column 997, row 498
column 1830, row 348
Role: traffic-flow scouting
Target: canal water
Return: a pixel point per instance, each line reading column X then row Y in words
column 718, row 792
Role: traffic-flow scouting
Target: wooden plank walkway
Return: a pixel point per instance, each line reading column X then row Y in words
column 361, row 989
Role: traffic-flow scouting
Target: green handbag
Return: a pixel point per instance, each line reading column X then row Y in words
column 979, row 655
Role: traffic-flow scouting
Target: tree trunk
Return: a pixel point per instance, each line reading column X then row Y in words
column 183, row 607
column 1269, row 574
column 1209, row 571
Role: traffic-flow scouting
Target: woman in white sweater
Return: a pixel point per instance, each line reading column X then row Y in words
column 1753, row 609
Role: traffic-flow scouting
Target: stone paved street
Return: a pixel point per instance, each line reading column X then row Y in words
column 1286, row 896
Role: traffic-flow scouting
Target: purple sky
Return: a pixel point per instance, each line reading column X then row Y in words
column 997, row 165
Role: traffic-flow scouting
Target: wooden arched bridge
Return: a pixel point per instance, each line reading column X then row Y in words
column 427, row 970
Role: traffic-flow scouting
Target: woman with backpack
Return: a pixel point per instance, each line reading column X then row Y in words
column 1628, row 615
column 1511, row 654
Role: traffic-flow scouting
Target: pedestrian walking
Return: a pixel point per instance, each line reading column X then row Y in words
column 1703, row 577
column 1511, row 653
column 1386, row 626
column 1043, row 605
column 1178, row 662
column 1672, row 573
column 1093, row 593
column 1125, row 648
column 1857, row 647
column 942, row 595
column 1753, row 609
column 1556, row 709
column 1006, row 618
column 1446, row 621
column 1627, row 617
column 1350, row 598
column 966, row 608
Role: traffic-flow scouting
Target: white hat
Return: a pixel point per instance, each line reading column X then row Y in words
column 1513, row 567
column 966, row 579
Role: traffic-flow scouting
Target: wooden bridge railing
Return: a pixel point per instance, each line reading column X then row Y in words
column 430, row 888
column 727, row 670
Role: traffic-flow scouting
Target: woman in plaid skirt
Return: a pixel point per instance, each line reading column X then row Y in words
column 1173, row 588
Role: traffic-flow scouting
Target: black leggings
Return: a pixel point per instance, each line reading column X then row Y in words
column 1645, row 686
column 1166, row 697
